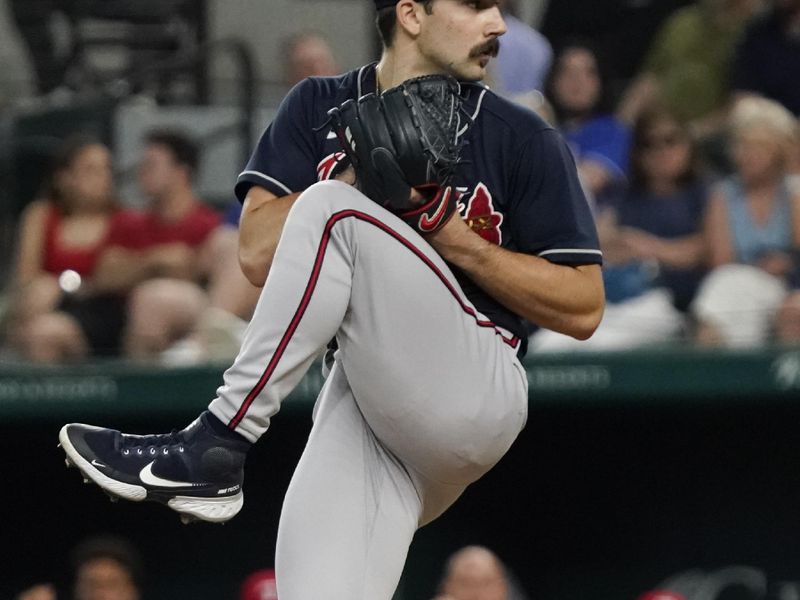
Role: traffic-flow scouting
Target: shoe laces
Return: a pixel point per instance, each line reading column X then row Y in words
column 152, row 444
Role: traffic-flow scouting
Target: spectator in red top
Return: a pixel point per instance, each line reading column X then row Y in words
column 173, row 255
column 55, row 315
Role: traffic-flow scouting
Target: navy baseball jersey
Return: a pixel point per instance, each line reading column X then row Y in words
column 518, row 185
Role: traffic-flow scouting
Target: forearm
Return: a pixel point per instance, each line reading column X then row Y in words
column 681, row 253
column 260, row 228
column 565, row 299
column 119, row 271
column 641, row 93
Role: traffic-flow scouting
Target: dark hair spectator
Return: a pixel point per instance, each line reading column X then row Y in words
column 578, row 93
column 55, row 314
column 178, row 265
column 659, row 129
column 660, row 215
column 166, row 254
column 103, row 567
column 108, row 548
column 184, row 150
column 652, row 242
column 59, row 183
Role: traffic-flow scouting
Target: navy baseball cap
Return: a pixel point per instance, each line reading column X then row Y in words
column 379, row 4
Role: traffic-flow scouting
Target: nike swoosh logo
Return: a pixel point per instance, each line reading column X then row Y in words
column 98, row 464
column 146, row 476
column 431, row 222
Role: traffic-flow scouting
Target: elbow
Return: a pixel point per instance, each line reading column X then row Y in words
column 583, row 327
column 254, row 267
column 583, row 324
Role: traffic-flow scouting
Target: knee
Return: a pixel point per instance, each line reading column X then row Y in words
column 38, row 297
column 168, row 305
column 52, row 338
column 328, row 197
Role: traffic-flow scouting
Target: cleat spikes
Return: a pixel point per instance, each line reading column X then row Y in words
column 187, row 519
column 86, row 480
column 68, row 463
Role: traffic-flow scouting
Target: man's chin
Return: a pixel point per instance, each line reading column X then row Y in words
column 469, row 73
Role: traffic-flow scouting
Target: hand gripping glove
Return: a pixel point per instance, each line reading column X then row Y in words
column 406, row 138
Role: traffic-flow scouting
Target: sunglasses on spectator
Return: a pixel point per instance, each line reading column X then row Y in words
column 663, row 141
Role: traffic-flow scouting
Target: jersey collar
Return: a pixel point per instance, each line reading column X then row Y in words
column 367, row 82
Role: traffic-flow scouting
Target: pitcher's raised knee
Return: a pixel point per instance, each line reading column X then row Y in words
column 332, row 196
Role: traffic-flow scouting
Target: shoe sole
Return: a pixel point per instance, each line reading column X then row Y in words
column 212, row 510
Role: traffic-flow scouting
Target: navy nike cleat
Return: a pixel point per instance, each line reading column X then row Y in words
column 195, row 471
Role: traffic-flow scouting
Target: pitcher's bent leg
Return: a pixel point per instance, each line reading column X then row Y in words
column 350, row 511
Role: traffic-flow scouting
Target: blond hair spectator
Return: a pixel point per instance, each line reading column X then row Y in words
column 752, row 229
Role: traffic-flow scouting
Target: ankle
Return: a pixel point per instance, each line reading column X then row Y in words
column 220, row 429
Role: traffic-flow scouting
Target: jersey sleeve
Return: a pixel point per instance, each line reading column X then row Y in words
column 284, row 160
column 552, row 218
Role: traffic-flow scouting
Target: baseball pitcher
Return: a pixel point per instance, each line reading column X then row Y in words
column 410, row 221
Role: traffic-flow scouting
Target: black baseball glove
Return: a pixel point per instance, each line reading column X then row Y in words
column 406, row 138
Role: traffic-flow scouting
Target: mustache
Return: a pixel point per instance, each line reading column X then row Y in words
column 492, row 47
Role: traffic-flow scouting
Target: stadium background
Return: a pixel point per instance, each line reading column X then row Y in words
column 633, row 467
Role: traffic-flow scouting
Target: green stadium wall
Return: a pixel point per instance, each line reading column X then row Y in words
column 633, row 466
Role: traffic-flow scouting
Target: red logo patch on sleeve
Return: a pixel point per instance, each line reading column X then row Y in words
column 482, row 217
column 327, row 165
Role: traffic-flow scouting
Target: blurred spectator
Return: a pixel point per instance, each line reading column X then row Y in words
column 524, row 59
column 260, row 585
column 167, row 254
column 659, row 217
column 476, row 573
column 536, row 102
column 104, row 568
column 37, row 21
column 218, row 333
column 752, row 229
column 56, row 314
column 652, row 243
column 687, row 68
column 621, row 29
column 576, row 90
column 308, row 54
column 16, row 79
column 767, row 63
column 189, row 301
